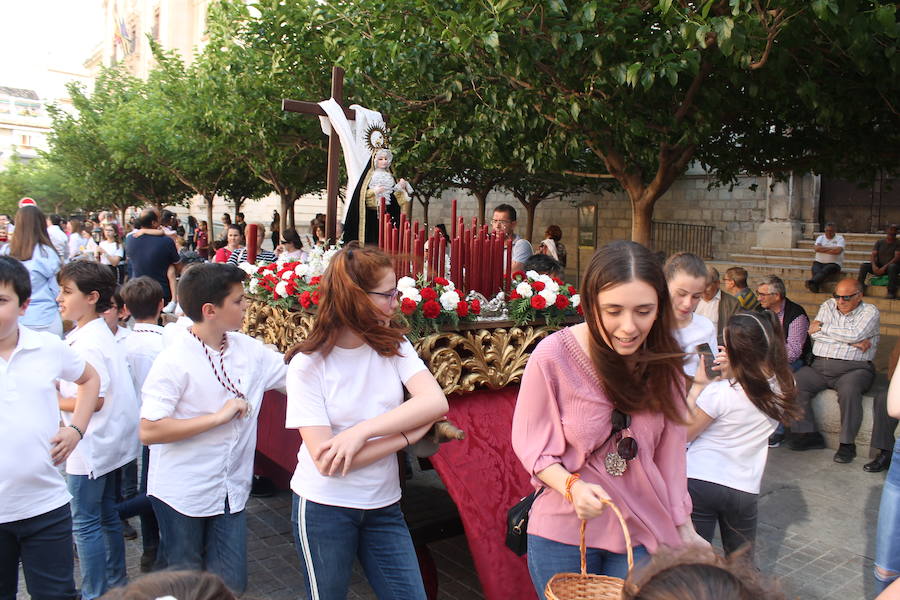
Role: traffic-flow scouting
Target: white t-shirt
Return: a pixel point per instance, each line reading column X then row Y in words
column 113, row 249
column 195, row 475
column 111, row 438
column 348, row 386
column 732, row 451
column 836, row 241
column 141, row 348
column 710, row 309
column 30, row 485
column 699, row 330
column 81, row 247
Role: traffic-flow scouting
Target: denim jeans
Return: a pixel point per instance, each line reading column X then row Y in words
column 140, row 505
column 217, row 544
column 44, row 545
column 887, row 540
column 128, row 481
column 328, row 538
column 733, row 510
column 546, row 558
column 98, row 533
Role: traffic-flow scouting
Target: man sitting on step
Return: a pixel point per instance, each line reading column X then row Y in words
column 845, row 340
column 829, row 257
column 735, row 283
column 885, row 259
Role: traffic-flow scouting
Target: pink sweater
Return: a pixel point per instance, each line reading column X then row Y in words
column 561, row 416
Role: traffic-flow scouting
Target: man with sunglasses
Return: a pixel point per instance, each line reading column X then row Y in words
column 845, row 340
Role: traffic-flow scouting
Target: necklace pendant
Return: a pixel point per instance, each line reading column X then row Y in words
column 615, row 464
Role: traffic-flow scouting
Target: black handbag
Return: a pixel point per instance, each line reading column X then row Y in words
column 517, row 523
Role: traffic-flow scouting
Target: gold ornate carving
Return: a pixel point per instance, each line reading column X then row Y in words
column 461, row 361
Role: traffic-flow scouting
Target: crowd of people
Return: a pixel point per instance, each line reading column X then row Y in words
column 663, row 401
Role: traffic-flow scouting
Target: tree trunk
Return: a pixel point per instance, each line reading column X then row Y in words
column 481, row 203
column 209, row 217
column 642, row 220
column 282, row 213
column 530, row 209
column 238, row 203
column 123, row 211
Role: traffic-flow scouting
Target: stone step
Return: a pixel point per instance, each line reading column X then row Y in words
column 848, row 247
column 802, row 261
column 807, row 254
column 853, row 237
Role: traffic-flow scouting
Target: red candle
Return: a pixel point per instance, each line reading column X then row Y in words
column 453, row 218
column 252, row 243
column 442, row 250
column 508, row 265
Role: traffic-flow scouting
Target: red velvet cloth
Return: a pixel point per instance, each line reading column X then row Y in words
column 484, row 478
column 276, row 447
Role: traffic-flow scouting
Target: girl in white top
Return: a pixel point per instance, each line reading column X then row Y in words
column 345, row 394
column 110, row 251
column 686, row 278
column 730, row 425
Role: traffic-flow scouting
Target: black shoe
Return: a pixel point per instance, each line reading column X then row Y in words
column 845, row 454
column 128, row 531
column 812, row 286
column 892, row 295
column 148, row 559
column 776, row 440
column 262, row 487
column 807, row 441
column 862, row 288
column 881, row 462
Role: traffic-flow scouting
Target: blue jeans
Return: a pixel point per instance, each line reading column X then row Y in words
column 328, row 538
column 546, row 558
column 217, row 544
column 140, row 505
column 887, row 540
column 98, row 533
column 44, row 545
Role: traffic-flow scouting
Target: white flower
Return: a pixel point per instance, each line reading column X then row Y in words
column 248, row 268
column 576, row 300
column 449, row 300
column 301, row 269
column 548, row 295
column 450, row 285
column 524, row 289
column 405, row 283
column 287, row 275
column 532, row 274
column 411, row 293
column 254, row 285
column 548, row 282
column 281, row 289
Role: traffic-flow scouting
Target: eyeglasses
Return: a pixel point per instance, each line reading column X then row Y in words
column 500, row 222
column 392, row 295
column 844, row 298
column 766, row 293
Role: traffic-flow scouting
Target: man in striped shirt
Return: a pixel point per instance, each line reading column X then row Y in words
column 735, row 283
column 845, row 339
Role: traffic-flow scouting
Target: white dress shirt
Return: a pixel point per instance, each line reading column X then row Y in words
column 141, row 349
column 710, row 309
column 60, row 241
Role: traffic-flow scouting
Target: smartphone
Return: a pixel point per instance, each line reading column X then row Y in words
column 708, row 359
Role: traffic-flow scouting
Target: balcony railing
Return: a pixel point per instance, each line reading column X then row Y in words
column 682, row 237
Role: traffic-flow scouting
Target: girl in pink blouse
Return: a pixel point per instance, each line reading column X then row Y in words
column 600, row 416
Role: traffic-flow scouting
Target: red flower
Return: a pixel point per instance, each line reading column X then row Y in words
column 514, row 295
column 315, row 297
column 270, row 267
column 561, row 302
column 475, row 306
column 462, row 309
column 538, row 286
column 431, row 309
column 408, row 306
column 580, row 310
column 441, row 281
column 518, row 275
column 305, row 300
column 557, row 280
column 290, row 288
column 315, row 280
column 572, row 290
column 428, row 294
column 538, row 302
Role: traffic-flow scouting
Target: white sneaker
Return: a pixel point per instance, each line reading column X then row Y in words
column 170, row 307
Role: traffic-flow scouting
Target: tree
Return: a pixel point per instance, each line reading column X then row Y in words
column 37, row 178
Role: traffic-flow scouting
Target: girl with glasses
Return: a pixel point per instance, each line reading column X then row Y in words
column 345, row 387
column 600, row 416
column 731, row 421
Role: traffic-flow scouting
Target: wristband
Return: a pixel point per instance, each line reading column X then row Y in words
column 405, row 438
column 570, row 481
column 80, row 433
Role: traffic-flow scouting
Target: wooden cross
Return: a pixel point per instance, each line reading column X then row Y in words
column 334, row 145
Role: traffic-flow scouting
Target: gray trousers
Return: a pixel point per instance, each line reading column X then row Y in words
column 850, row 378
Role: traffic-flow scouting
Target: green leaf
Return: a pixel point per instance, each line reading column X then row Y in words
column 631, row 74
column 576, row 110
column 704, row 12
column 492, row 40
column 664, row 6
column 672, row 75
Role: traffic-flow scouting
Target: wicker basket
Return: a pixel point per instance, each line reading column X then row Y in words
column 584, row 586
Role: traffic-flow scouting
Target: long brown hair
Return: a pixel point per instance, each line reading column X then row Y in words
column 31, row 232
column 755, row 346
column 183, row 585
column 344, row 302
column 658, row 381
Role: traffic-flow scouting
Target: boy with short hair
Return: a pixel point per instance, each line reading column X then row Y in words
column 199, row 407
column 86, row 290
column 143, row 299
column 35, row 519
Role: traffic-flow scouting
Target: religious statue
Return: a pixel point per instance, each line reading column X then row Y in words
column 376, row 183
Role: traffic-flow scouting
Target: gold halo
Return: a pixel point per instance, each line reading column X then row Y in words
column 376, row 137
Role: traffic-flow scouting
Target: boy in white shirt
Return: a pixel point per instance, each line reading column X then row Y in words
column 143, row 298
column 200, row 403
column 86, row 290
column 35, row 520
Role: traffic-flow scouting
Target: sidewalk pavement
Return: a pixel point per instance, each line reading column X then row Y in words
column 817, row 522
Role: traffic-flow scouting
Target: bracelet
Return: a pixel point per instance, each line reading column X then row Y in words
column 75, row 427
column 570, row 481
column 405, row 438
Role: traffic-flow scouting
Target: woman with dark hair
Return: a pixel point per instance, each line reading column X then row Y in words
column 552, row 245
column 31, row 244
column 275, row 228
column 202, row 240
column 600, row 416
column 291, row 247
column 234, row 240
column 730, row 424
column 347, row 483
column 111, row 252
column 191, row 237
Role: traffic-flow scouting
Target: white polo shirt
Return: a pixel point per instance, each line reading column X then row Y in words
column 111, row 439
column 195, row 476
column 141, row 348
column 30, row 485
column 835, row 242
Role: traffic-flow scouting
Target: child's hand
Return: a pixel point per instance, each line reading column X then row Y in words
column 233, row 408
column 337, row 453
column 62, row 444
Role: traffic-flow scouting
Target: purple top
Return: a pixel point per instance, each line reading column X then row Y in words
column 796, row 334
column 561, row 416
